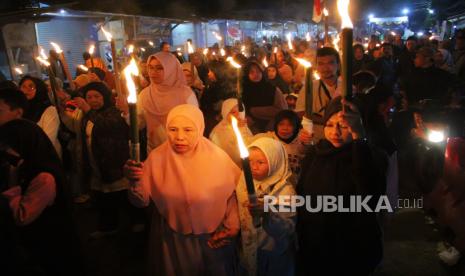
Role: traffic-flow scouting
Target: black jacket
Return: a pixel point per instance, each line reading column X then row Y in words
column 430, row 83
column 329, row 242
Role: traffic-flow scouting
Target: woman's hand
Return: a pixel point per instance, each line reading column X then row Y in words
column 133, row 170
column 242, row 122
column 305, row 137
column 122, row 105
column 222, row 238
column 351, row 117
column 82, row 104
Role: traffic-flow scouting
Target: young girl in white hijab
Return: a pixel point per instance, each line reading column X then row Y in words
column 267, row 249
column 167, row 89
column 223, row 134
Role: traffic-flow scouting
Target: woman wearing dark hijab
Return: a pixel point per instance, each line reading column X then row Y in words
column 219, row 87
column 105, row 137
column 341, row 165
column 34, row 189
column 40, row 110
column 261, row 99
column 273, row 77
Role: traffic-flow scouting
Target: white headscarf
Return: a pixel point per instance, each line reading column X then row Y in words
column 227, row 106
column 223, row 134
column 274, row 185
column 447, row 57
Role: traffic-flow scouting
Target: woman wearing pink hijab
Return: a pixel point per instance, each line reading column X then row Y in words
column 167, row 89
column 191, row 182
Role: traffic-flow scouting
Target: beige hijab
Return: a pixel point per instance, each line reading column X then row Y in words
column 159, row 99
column 276, row 182
column 197, row 81
column 191, row 191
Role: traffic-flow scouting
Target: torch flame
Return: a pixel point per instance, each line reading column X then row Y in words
column 244, row 153
column 83, row 68
column 205, row 51
column 275, row 50
column 289, row 41
column 18, row 70
column 222, row 52
column 336, row 42
column 325, row 12
column 142, row 49
column 129, row 71
column 316, row 75
column 43, row 61
column 151, row 43
column 91, row 49
column 107, row 34
column 190, row 48
column 57, row 47
column 304, row 62
column 343, row 8
column 265, row 62
column 43, row 55
column 130, row 49
column 214, row 54
column 307, row 37
column 233, row 63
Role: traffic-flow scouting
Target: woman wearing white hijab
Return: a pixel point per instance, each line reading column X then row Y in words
column 267, row 249
column 192, row 78
column 167, row 89
column 191, row 182
column 443, row 60
column 223, row 135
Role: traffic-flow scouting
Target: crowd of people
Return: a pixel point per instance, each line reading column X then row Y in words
column 70, row 147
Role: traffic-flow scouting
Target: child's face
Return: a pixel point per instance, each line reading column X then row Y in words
column 234, row 113
column 291, row 102
column 271, row 71
column 285, row 129
column 258, row 164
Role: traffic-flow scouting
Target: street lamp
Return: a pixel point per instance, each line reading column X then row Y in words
column 405, row 11
column 430, row 11
column 371, row 16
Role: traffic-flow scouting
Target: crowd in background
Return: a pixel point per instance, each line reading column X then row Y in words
column 71, row 147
